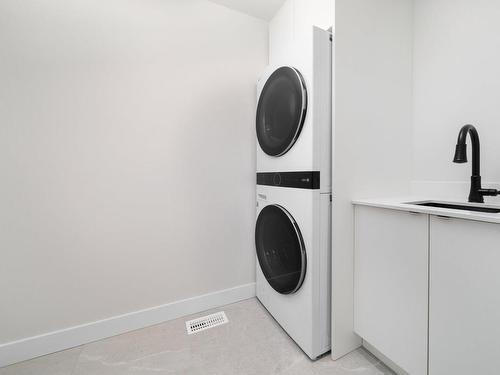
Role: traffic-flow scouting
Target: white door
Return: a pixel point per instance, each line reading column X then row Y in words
column 464, row 318
column 391, row 284
column 281, row 111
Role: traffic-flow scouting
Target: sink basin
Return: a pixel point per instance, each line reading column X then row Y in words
column 456, row 206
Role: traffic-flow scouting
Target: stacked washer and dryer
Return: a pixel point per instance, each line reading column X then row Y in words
column 293, row 226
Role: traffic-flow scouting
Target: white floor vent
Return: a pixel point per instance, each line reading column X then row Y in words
column 206, row 322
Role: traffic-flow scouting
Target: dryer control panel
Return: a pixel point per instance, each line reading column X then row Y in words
column 298, row 180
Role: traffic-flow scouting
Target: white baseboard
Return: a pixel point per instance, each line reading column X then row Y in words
column 31, row 347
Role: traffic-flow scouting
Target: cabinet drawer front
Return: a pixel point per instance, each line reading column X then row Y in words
column 464, row 310
column 391, row 284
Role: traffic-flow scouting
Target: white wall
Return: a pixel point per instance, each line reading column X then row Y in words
column 126, row 156
column 456, row 81
column 293, row 23
column 372, row 138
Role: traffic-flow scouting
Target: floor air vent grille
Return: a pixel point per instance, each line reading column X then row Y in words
column 206, row 322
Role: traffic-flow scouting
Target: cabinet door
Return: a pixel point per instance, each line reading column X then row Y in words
column 464, row 310
column 391, row 284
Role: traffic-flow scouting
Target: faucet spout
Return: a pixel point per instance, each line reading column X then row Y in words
column 461, row 149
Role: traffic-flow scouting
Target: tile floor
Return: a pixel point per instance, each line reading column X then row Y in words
column 251, row 343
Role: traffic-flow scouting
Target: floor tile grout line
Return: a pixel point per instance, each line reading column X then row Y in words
column 77, row 360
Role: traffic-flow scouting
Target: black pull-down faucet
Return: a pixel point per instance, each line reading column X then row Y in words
column 476, row 191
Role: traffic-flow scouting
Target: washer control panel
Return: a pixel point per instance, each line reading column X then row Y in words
column 298, row 180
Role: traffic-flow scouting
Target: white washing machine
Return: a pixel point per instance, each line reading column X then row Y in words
column 293, row 245
column 293, row 226
column 293, row 121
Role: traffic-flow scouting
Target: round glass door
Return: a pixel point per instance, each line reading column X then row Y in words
column 280, row 249
column 281, row 111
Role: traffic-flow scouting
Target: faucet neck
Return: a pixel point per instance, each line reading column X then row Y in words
column 474, row 136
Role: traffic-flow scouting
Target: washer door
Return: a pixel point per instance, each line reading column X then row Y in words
column 281, row 111
column 280, row 249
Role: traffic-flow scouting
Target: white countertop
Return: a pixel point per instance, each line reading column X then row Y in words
column 404, row 204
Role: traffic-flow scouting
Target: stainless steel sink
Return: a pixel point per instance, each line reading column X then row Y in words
column 457, row 206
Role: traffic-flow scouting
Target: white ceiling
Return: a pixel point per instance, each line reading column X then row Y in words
column 264, row 9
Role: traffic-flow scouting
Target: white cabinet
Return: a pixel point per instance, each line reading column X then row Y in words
column 391, row 284
column 427, row 291
column 464, row 314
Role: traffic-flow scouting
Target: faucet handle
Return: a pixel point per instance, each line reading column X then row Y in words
column 489, row 192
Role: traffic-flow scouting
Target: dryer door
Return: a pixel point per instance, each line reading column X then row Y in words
column 281, row 111
column 280, row 249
